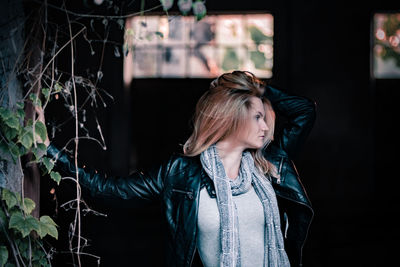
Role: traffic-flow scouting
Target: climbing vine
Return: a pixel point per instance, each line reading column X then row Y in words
column 22, row 235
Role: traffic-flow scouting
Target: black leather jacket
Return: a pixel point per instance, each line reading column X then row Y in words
column 177, row 183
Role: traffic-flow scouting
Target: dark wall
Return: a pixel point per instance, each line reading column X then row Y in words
column 322, row 51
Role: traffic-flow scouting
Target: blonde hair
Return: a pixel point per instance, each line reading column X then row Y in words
column 222, row 110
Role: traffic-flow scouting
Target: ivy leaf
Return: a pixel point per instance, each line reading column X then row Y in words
column 5, row 113
column 57, row 88
column 47, row 226
column 26, row 138
column 46, row 92
column 3, row 255
column 20, row 113
column 56, row 177
column 37, row 255
column 41, row 130
column 24, row 225
column 10, row 133
column 41, row 146
column 29, row 205
column 185, row 6
column 39, row 258
column 14, row 150
column 35, row 100
column 23, row 246
column 199, row 9
column 43, row 262
column 47, row 220
column 20, row 105
column 48, row 164
column 12, row 122
column 9, row 197
column 167, row 4
column 19, row 198
column 39, row 150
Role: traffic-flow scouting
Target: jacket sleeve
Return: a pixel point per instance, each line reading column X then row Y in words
column 300, row 113
column 139, row 185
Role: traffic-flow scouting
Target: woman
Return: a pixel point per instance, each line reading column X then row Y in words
column 221, row 197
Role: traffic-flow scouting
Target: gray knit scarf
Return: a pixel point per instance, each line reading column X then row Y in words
column 274, row 252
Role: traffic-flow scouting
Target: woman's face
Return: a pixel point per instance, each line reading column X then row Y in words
column 255, row 129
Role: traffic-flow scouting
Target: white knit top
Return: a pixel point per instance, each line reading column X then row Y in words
column 251, row 229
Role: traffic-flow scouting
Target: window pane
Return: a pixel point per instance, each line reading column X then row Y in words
column 386, row 50
column 180, row 46
column 173, row 61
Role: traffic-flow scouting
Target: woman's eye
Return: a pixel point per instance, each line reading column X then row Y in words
column 258, row 117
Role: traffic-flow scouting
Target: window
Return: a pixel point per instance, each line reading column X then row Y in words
column 386, row 45
column 180, row 46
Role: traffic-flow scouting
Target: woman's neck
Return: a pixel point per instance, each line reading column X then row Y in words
column 231, row 156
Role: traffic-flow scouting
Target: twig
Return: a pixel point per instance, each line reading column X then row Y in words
column 52, row 59
column 99, row 16
column 77, row 220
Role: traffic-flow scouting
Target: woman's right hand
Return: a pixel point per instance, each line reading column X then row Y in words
column 40, row 116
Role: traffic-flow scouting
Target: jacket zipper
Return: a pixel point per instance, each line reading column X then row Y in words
column 188, row 193
column 191, row 261
column 308, row 227
column 195, row 234
column 190, row 196
column 286, row 223
column 279, row 171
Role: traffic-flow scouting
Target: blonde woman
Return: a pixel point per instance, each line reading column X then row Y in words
column 231, row 195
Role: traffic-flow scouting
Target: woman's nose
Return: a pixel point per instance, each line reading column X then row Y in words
column 264, row 126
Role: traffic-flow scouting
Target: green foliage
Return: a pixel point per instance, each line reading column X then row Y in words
column 29, row 205
column 25, row 225
column 56, row 177
column 9, row 197
column 20, row 232
column 47, row 226
column 46, row 92
column 40, row 129
column 199, row 9
column 48, row 163
column 18, row 229
column 18, row 139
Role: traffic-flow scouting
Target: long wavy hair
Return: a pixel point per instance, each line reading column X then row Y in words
column 222, row 111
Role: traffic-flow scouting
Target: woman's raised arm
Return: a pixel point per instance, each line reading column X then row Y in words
column 300, row 113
